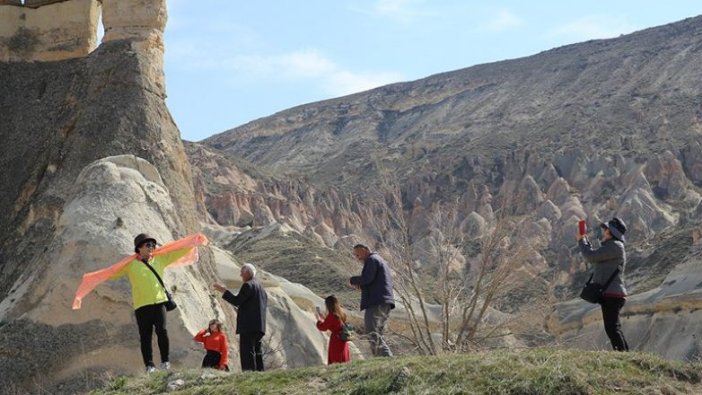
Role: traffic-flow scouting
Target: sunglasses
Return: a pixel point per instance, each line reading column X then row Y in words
column 149, row 244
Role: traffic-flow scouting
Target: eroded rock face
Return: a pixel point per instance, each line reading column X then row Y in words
column 545, row 141
column 47, row 31
column 113, row 200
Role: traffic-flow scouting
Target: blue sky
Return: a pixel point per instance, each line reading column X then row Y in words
column 229, row 62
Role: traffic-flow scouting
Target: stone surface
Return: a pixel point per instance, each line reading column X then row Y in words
column 51, row 31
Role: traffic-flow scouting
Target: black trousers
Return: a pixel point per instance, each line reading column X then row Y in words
column 149, row 318
column 250, row 351
column 611, row 307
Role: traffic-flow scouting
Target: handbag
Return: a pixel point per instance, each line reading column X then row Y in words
column 592, row 292
column 346, row 332
column 170, row 304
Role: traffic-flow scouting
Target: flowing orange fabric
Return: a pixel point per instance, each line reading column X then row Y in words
column 93, row 279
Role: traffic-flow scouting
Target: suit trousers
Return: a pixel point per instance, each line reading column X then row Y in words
column 250, row 351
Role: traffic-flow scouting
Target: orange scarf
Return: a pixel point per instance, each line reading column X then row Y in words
column 93, row 279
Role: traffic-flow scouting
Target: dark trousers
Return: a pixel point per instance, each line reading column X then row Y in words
column 212, row 359
column 611, row 307
column 250, row 351
column 148, row 318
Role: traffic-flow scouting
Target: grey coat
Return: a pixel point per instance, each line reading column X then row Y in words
column 606, row 259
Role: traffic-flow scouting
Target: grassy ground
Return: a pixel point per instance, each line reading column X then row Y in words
column 536, row 371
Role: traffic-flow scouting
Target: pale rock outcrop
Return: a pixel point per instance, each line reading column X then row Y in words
column 549, row 211
column 485, row 204
column 692, row 161
column 571, row 209
column 645, row 216
column 141, row 22
column 473, row 225
column 435, row 252
column 262, row 213
column 48, row 31
column 528, row 196
column 548, row 175
column 666, row 173
column 558, row 192
column 312, row 234
column 537, row 234
column 326, row 233
column 573, row 166
column 113, row 198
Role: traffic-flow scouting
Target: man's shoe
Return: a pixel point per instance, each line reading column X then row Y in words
column 165, row 365
column 150, row 369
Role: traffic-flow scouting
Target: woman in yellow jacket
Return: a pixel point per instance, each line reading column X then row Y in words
column 149, row 296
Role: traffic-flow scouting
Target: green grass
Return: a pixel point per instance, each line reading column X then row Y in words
column 536, row 371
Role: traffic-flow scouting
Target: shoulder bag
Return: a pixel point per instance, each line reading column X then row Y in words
column 170, row 304
column 592, row 292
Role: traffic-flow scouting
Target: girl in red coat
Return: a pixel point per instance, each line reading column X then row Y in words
column 215, row 342
column 333, row 321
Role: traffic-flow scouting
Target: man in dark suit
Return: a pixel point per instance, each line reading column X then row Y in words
column 252, row 303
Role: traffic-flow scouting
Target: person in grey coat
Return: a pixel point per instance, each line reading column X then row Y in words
column 610, row 257
column 252, row 304
column 377, row 298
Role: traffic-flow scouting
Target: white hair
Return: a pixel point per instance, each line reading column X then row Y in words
column 249, row 267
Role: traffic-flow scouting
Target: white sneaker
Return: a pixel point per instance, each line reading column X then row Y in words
column 165, row 365
column 150, row 369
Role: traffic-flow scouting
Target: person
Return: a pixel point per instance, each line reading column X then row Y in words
column 377, row 298
column 607, row 259
column 215, row 343
column 334, row 321
column 149, row 296
column 252, row 304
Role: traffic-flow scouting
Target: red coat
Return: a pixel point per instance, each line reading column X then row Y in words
column 215, row 341
column 338, row 350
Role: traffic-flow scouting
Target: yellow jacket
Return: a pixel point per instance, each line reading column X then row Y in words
column 146, row 290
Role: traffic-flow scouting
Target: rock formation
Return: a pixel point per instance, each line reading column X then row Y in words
column 588, row 130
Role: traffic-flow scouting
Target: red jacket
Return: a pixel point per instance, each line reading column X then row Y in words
column 338, row 350
column 216, row 341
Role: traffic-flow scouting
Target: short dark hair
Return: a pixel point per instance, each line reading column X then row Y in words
column 361, row 246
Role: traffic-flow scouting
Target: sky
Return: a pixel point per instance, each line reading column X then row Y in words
column 229, row 62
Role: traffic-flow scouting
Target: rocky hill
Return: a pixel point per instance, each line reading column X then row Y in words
column 590, row 130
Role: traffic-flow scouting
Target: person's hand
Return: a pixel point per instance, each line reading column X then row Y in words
column 218, row 287
column 580, row 237
column 354, row 286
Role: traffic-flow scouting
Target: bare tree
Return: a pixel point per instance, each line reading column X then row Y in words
column 463, row 293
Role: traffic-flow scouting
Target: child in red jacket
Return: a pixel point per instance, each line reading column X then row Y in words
column 333, row 321
column 215, row 342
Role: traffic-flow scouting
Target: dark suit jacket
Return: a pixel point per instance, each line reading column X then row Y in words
column 252, row 302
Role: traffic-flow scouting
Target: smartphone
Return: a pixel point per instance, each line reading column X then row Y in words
column 582, row 227
column 319, row 310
